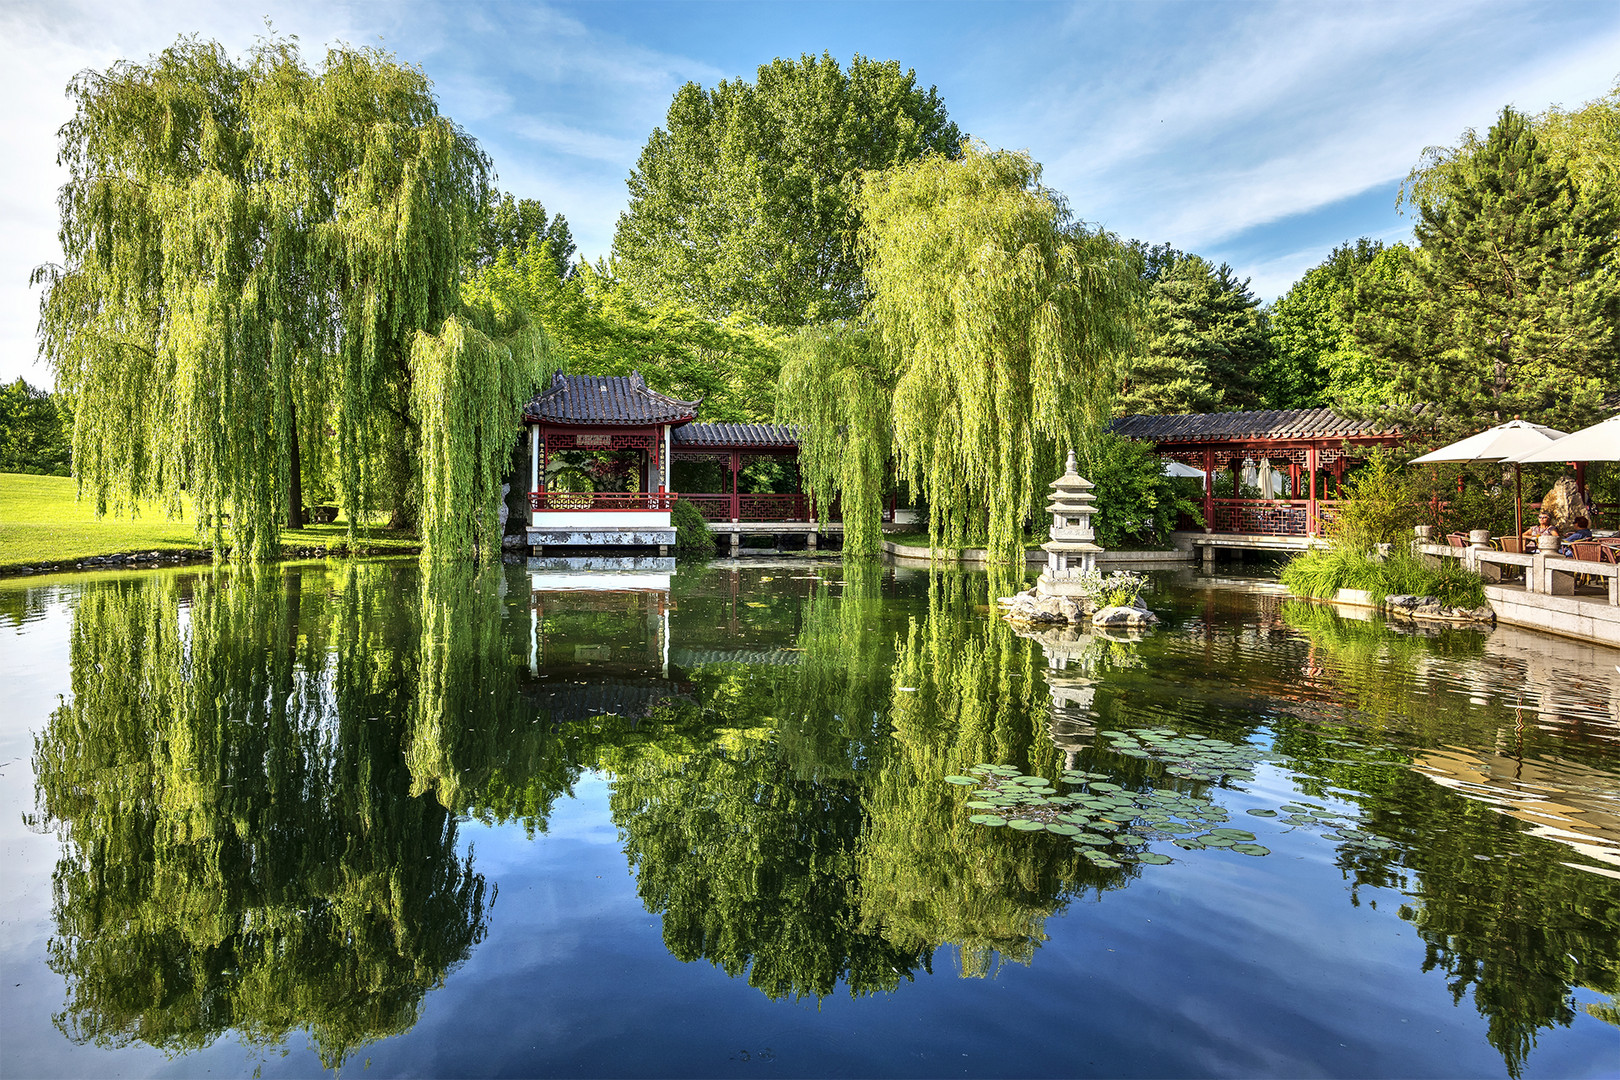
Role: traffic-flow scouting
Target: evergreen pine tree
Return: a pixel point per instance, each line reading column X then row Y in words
column 1204, row 344
column 1511, row 302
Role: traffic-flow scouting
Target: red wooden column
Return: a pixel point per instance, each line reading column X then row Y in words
column 1312, row 461
column 736, row 500
column 1209, row 490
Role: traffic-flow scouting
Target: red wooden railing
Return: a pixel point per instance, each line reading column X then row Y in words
column 601, row 500
column 1271, row 517
column 714, row 506
column 722, row 506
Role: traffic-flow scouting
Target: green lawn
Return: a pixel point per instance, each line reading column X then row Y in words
column 41, row 522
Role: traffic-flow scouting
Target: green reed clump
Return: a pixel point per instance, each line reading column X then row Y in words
column 1322, row 572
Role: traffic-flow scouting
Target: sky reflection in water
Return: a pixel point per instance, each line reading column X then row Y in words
column 458, row 823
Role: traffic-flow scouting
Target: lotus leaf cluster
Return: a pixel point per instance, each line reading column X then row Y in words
column 1196, row 757
column 1106, row 822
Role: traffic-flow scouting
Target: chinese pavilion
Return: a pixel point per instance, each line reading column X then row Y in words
column 600, row 455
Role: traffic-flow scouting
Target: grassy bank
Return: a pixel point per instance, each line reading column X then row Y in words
column 42, row 524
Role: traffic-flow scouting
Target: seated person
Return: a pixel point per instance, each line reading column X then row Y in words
column 1542, row 527
column 1581, row 531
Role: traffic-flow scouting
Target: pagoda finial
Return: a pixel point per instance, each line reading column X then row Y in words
column 1071, row 465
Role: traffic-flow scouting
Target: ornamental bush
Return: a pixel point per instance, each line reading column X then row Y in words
column 692, row 535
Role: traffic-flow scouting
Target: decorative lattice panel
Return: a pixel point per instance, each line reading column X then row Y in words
column 1260, row 517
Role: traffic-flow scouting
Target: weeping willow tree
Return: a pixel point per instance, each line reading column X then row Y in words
column 1004, row 321
column 468, row 386
column 249, row 253
column 838, row 390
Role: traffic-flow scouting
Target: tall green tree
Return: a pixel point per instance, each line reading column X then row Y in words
column 1203, row 346
column 34, row 426
column 1510, row 303
column 595, row 326
column 1006, row 323
column 743, row 203
column 1317, row 359
column 512, row 224
column 249, row 253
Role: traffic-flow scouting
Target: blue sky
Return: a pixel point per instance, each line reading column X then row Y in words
column 1253, row 133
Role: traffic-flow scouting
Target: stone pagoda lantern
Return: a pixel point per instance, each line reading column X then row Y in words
column 1070, row 551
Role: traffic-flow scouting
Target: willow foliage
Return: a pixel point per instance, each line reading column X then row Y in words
column 837, row 389
column 467, row 392
column 249, row 250
column 1005, row 322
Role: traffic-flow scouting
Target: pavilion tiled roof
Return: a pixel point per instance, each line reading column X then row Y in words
column 724, row 436
column 1268, row 424
column 606, row 399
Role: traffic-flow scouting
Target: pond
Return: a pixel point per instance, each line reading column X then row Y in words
column 716, row 821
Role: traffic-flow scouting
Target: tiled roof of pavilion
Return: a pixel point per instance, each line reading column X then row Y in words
column 1231, row 426
column 606, row 399
column 725, row 436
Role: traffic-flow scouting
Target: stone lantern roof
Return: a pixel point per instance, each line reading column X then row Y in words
column 1071, row 493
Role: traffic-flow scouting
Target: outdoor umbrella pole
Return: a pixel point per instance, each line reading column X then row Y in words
column 1518, row 504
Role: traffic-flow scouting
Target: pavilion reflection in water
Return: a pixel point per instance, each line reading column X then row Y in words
column 599, row 636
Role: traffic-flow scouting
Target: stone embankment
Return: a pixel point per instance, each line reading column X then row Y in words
column 1430, row 608
column 150, row 559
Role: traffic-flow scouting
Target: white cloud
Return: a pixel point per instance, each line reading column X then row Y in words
column 574, row 141
column 1202, row 133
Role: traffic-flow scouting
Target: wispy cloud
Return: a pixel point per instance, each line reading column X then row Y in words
column 1216, row 123
column 572, row 140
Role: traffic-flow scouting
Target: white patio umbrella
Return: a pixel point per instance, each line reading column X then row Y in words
column 1504, row 442
column 1600, row 442
column 1177, row 469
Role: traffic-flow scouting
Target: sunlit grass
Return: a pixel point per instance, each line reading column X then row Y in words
column 42, row 522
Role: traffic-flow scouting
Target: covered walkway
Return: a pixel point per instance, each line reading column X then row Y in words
column 1302, row 454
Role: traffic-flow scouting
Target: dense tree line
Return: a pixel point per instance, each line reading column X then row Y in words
column 35, row 426
column 745, row 202
column 1506, row 303
column 283, row 283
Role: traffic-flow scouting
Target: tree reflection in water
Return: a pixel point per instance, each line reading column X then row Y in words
column 258, row 778
column 244, row 843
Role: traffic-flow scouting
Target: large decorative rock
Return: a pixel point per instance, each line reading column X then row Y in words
column 1030, row 606
column 1563, row 502
column 1124, row 617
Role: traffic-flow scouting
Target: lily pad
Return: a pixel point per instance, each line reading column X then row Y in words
column 1261, row 812
column 1153, row 858
column 988, row 819
column 1252, row 849
column 1026, row 825
column 961, row 780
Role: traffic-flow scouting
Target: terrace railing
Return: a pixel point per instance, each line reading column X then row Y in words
column 585, row 501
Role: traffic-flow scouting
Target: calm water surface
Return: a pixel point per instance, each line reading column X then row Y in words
column 367, row 818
